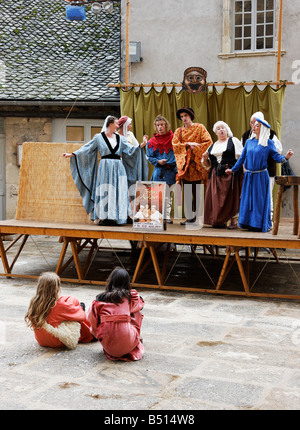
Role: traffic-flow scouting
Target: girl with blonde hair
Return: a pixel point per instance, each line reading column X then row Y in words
column 56, row 320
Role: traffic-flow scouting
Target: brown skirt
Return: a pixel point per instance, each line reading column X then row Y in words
column 222, row 198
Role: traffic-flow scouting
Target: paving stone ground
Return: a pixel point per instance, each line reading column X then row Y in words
column 202, row 352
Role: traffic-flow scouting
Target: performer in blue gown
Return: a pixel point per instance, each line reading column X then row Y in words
column 103, row 188
column 255, row 213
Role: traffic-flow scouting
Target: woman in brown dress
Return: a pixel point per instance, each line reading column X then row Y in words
column 222, row 198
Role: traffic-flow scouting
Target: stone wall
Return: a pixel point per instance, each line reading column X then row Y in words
column 20, row 130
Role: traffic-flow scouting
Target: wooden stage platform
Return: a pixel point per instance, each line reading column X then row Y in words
column 154, row 250
column 47, row 192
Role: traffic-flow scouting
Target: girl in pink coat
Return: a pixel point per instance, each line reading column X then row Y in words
column 116, row 319
column 57, row 320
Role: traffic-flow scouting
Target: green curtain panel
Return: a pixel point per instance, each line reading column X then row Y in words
column 234, row 106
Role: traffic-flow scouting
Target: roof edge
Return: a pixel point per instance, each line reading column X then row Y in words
column 107, row 102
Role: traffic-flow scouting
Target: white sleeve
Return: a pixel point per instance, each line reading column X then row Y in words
column 277, row 144
column 238, row 147
column 132, row 139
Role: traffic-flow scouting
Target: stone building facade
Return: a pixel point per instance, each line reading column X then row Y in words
column 54, row 74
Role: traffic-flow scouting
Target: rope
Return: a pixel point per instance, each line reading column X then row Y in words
column 261, row 272
column 267, row 262
column 115, row 254
column 194, row 251
column 165, row 281
column 51, row 269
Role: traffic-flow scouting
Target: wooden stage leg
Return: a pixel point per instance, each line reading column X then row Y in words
column 296, row 210
column 156, row 266
column 8, row 267
column 62, row 257
column 223, row 271
column 277, row 210
column 139, row 265
column 139, row 269
column 14, row 242
column 19, row 252
column 274, row 252
column 242, row 273
column 76, row 260
column 76, row 247
column 226, row 268
column 3, row 257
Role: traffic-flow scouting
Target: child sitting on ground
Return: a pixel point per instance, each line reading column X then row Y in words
column 116, row 318
column 56, row 321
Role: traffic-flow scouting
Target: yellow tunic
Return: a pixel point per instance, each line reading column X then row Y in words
column 189, row 160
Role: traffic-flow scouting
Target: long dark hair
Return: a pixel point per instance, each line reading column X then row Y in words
column 117, row 287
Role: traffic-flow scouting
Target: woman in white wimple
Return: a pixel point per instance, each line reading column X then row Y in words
column 255, row 214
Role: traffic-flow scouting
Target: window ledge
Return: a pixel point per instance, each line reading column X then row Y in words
column 226, row 56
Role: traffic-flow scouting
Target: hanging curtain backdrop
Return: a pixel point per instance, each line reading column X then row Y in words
column 234, row 106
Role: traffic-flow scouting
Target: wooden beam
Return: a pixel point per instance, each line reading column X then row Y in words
column 126, row 85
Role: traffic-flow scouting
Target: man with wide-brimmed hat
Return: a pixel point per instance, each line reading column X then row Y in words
column 189, row 144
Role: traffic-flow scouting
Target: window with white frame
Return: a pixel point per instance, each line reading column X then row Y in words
column 253, row 25
column 75, row 130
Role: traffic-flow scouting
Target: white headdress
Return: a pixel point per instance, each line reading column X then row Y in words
column 104, row 127
column 124, row 122
column 264, row 132
column 229, row 132
column 125, row 127
column 256, row 115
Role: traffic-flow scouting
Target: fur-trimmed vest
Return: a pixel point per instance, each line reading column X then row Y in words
column 68, row 332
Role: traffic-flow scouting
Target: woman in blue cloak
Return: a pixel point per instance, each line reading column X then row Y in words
column 103, row 187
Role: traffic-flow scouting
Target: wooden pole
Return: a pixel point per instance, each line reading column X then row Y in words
column 127, row 44
column 279, row 42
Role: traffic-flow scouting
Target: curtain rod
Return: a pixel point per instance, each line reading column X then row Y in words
column 216, row 84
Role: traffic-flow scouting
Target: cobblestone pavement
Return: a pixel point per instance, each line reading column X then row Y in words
column 202, row 352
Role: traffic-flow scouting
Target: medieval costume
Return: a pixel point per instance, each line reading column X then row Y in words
column 271, row 163
column 118, row 327
column 136, row 165
column 160, row 147
column 66, row 325
column 255, row 213
column 188, row 160
column 223, row 192
column 104, row 189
